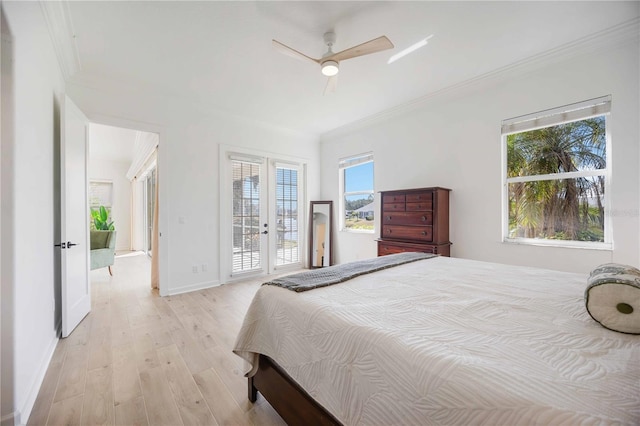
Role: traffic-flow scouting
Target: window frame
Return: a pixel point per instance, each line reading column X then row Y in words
column 549, row 118
column 344, row 164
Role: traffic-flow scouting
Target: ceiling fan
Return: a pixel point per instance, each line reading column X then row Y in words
column 330, row 61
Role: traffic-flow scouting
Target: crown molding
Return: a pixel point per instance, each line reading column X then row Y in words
column 628, row 31
column 63, row 38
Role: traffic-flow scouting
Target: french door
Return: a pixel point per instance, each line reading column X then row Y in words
column 266, row 218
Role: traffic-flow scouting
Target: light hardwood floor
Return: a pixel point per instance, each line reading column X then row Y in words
column 141, row 359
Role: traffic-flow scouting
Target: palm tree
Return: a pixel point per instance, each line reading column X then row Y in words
column 557, row 208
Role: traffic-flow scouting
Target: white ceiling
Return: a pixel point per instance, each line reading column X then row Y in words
column 111, row 143
column 220, row 53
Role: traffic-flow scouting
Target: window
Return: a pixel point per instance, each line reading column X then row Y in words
column 357, row 206
column 100, row 194
column 556, row 176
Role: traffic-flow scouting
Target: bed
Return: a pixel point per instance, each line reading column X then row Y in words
column 440, row 341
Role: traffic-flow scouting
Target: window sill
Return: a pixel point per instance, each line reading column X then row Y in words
column 357, row 231
column 559, row 244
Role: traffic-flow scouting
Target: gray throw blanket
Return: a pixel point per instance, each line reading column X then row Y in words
column 323, row 277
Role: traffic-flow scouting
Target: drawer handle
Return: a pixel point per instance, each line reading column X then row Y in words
column 388, row 217
column 423, row 218
column 388, row 231
column 395, row 206
column 424, row 233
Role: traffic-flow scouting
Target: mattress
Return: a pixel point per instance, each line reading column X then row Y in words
column 449, row 341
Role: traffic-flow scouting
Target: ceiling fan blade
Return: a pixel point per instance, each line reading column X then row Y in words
column 332, row 85
column 292, row 52
column 372, row 46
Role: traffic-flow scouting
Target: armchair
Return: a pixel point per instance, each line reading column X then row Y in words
column 103, row 247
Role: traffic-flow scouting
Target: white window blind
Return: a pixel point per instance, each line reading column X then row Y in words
column 555, row 116
column 100, row 193
column 247, row 158
column 354, row 161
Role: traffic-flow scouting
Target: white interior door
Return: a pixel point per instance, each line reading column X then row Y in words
column 76, row 292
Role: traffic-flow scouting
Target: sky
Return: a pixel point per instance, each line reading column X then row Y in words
column 359, row 178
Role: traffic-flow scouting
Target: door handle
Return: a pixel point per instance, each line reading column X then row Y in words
column 70, row 244
column 265, row 232
column 61, row 245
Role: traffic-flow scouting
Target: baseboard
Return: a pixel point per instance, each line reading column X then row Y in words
column 193, row 287
column 8, row 420
column 23, row 415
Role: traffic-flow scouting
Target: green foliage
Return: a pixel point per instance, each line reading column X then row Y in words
column 355, row 223
column 356, row 204
column 100, row 218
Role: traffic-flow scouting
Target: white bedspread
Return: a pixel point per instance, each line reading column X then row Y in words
column 450, row 341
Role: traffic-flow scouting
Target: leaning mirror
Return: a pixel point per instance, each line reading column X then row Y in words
column 320, row 224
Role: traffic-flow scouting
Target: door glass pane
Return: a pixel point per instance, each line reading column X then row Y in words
column 246, row 216
column 287, row 247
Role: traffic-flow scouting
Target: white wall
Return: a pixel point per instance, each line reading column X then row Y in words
column 115, row 171
column 6, row 225
column 30, row 211
column 453, row 140
column 188, row 170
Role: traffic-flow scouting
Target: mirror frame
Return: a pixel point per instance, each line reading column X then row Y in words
column 312, row 205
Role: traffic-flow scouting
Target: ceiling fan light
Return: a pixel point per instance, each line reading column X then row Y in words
column 330, row 68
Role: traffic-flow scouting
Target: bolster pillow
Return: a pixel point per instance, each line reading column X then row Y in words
column 613, row 297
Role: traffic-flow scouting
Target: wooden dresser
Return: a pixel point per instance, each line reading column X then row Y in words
column 415, row 220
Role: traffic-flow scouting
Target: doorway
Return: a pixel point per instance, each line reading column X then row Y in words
column 122, row 175
column 264, row 201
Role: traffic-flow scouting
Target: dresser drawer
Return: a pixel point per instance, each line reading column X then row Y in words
column 418, row 233
column 420, row 206
column 392, row 247
column 420, row 197
column 407, row 218
column 387, row 248
column 393, row 207
column 393, row 199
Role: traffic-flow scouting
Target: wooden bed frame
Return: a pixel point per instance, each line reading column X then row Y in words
column 293, row 403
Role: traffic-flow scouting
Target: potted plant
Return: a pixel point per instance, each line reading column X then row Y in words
column 101, row 219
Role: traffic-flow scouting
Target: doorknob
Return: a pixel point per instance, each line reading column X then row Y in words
column 265, row 232
column 70, row 244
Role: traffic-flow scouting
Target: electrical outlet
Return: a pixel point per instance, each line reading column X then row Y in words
column 203, row 267
column 194, row 268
